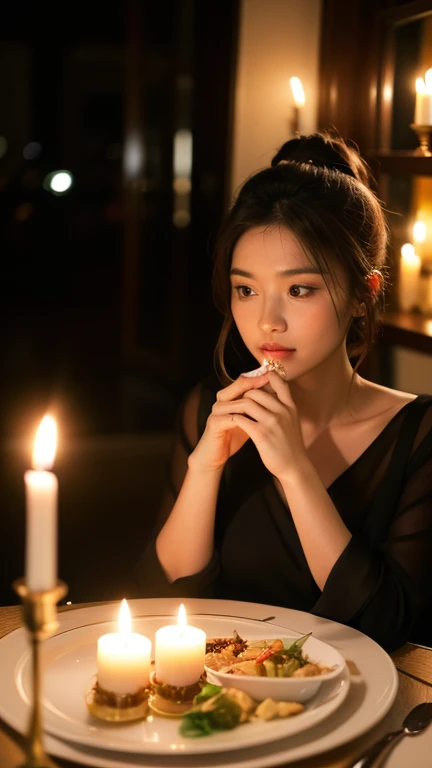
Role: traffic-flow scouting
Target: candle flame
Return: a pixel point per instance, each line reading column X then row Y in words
column 45, row 444
column 424, row 85
column 297, row 92
column 125, row 621
column 419, row 231
column 407, row 250
column 181, row 621
column 420, row 85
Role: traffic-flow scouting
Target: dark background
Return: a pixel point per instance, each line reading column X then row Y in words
column 106, row 313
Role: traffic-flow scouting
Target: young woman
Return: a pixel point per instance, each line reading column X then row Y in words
column 308, row 487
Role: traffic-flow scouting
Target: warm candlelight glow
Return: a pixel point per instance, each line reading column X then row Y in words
column 45, row 444
column 297, row 92
column 179, row 652
column 123, row 657
column 125, row 621
column 410, row 265
column 419, row 232
column 181, row 620
column 408, row 251
column 423, row 105
column 420, row 85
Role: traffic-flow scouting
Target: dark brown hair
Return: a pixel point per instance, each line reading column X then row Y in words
column 317, row 187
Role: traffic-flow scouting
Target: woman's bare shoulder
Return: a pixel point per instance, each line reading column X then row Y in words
column 376, row 399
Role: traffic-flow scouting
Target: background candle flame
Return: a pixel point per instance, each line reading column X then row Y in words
column 419, row 231
column 45, row 444
column 297, row 92
column 125, row 621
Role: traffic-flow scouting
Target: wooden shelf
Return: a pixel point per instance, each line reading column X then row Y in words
column 407, row 329
column 404, row 162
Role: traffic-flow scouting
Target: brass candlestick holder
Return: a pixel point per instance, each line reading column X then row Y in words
column 40, row 618
column 424, row 133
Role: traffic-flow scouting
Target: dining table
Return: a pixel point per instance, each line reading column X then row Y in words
column 414, row 670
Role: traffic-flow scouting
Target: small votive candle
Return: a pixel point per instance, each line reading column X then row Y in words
column 179, row 653
column 409, row 278
column 123, row 658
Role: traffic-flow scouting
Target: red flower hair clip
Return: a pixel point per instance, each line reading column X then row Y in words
column 374, row 281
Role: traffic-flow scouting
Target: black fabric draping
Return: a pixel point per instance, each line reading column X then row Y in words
column 381, row 584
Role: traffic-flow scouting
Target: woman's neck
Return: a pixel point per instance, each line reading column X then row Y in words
column 327, row 395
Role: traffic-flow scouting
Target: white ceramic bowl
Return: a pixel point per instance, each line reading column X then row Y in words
column 286, row 688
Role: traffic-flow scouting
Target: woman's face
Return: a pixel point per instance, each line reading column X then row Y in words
column 283, row 307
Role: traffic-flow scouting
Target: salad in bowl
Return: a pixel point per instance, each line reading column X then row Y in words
column 283, row 669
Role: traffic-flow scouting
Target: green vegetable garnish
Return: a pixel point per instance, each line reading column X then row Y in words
column 196, row 723
column 223, row 715
column 207, row 692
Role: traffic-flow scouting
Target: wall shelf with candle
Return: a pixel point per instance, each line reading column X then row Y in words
column 378, row 100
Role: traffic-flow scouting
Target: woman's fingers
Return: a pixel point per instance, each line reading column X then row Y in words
column 281, row 388
column 240, row 386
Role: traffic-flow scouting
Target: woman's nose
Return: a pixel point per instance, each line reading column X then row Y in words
column 272, row 320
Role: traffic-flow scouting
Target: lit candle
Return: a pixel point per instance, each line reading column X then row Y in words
column 299, row 101
column 123, row 657
column 41, row 511
column 423, row 104
column 419, row 235
column 179, row 653
column 409, row 278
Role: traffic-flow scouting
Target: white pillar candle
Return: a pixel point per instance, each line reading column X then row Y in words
column 123, row 657
column 423, row 104
column 409, row 278
column 179, row 653
column 41, row 512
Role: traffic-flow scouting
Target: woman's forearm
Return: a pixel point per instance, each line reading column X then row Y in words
column 185, row 543
column 322, row 532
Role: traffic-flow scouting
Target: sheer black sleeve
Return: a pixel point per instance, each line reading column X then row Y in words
column 149, row 573
column 381, row 584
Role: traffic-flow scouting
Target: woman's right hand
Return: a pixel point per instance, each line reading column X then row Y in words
column 221, row 438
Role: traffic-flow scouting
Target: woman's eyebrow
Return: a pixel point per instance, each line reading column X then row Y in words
column 280, row 272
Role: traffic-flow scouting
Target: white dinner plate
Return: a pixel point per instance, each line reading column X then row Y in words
column 69, row 663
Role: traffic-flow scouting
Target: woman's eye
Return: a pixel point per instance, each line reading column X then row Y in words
column 244, row 291
column 301, row 291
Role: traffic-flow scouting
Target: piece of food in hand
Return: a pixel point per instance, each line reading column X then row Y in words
column 269, row 709
column 268, row 365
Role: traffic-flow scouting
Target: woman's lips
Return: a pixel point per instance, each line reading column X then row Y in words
column 278, row 353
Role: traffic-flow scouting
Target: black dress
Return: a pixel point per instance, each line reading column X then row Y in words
column 382, row 582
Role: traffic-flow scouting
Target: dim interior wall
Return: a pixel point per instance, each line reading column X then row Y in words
column 278, row 39
column 412, row 371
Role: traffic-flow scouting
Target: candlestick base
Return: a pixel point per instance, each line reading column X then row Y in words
column 116, row 708
column 424, row 134
column 40, row 618
column 171, row 700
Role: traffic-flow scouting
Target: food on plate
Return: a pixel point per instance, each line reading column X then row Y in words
column 220, row 709
column 261, row 658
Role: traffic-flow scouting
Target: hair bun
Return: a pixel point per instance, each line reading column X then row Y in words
column 325, row 150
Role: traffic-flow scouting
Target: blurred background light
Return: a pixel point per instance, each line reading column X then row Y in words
column 133, row 157
column 183, row 154
column 58, row 182
column 32, row 150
